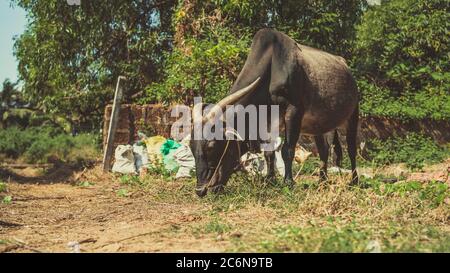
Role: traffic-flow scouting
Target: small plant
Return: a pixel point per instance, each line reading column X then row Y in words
column 157, row 168
column 130, row 180
column 123, row 193
column 85, row 184
column 216, row 226
column 414, row 149
column 7, row 200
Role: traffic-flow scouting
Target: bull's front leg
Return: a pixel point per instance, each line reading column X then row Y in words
column 292, row 120
column 270, row 160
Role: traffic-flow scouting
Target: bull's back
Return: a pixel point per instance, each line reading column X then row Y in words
column 330, row 91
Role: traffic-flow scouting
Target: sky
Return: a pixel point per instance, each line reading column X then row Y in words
column 12, row 23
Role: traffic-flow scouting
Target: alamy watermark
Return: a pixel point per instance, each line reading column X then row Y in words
column 234, row 122
column 74, row 2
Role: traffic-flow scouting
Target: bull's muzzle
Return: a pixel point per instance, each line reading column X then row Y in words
column 201, row 190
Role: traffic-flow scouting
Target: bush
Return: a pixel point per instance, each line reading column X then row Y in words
column 402, row 61
column 13, row 143
column 205, row 68
column 64, row 148
column 43, row 145
column 414, row 149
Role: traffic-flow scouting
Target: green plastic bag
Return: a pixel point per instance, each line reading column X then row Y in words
column 168, row 145
column 167, row 150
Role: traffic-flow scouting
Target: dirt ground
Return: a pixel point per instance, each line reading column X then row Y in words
column 46, row 216
column 55, row 213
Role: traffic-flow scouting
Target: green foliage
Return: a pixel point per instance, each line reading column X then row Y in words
column 414, row 149
column 402, row 59
column 212, row 39
column 207, row 69
column 85, row 184
column 130, row 180
column 123, row 193
column 433, row 192
column 157, row 168
column 429, row 103
column 7, row 200
column 71, row 55
column 216, row 226
column 41, row 145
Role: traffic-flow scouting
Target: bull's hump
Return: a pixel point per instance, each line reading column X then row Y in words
column 314, row 52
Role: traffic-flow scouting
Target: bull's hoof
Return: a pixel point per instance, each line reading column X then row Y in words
column 270, row 180
column 289, row 182
column 355, row 181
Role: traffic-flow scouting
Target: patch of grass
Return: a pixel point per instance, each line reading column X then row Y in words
column 85, row 184
column 414, row 149
column 123, row 193
column 7, row 200
column 312, row 217
column 433, row 193
column 356, row 237
column 157, row 169
column 216, row 226
column 128, row 179
column 310, row 166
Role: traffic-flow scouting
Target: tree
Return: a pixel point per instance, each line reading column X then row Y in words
column 10, row 98
column 402, row 59
column 70, row 56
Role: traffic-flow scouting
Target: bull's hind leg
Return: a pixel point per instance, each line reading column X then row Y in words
column 292, row 120
column 323, row 148
column 352, row 128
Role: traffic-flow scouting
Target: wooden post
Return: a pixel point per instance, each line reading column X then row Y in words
column 112, row 126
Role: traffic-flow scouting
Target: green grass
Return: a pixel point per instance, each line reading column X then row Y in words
column 7, row 200
column 356, row 237
column 123, row 193
column 312, row 217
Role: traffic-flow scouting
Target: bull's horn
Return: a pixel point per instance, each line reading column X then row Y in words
column 231, row 99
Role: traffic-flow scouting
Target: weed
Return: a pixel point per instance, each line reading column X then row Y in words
column 414, row 149
column 7, row 200
column 85, row 184
column 123, row 193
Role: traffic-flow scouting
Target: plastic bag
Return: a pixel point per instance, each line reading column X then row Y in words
column 124, row 160
column 140, row 156
column 167, row 150
column 185, row 160
column 169, row 145
column 154, row 145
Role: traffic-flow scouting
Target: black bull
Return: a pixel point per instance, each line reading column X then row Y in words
column 316, row 94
